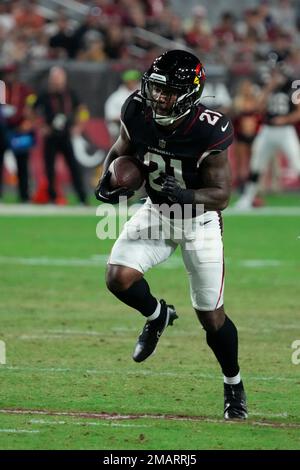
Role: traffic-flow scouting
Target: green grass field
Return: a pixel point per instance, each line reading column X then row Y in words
column 69, row 343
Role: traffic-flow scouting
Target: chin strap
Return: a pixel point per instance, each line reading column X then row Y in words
column 167, row 120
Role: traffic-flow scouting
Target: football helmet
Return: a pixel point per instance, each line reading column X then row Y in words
column 173, row 85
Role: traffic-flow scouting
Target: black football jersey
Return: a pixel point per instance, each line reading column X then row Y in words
column 280, row 102
column 178, row 152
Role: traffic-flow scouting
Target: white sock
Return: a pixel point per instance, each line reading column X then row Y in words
column 232, row 380
column 250, row 192
column 156, row 313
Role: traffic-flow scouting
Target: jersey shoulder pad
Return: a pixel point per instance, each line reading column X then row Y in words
column 222, row 133
column 131, row 107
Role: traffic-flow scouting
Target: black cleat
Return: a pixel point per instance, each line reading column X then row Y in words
column 235, row 406
column 152, row 331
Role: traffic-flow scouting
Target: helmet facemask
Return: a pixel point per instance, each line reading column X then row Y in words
column 168, row 102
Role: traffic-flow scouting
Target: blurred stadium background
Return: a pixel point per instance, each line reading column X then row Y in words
column 68, row 342
column 97, row 42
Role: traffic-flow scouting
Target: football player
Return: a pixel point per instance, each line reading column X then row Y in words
column 184, row 145
column 278, row 133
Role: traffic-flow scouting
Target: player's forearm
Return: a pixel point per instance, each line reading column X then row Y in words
column 212, row 198
column 288, row 120
column 122, row 146
column 112, row 155
column 293, row 117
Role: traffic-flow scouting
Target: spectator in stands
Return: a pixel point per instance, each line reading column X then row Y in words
column 7, row 20
column 284, row 15
column 281, row 48
column 62, row 42
column 267, row 19
column 252, row 25
column 112, row 107
column 39, row 49
column 169, row 25
column 115, row 43
column 174, row 28
column 225, row 30
column 246, row 120
column 27, row 16
column 15, row 47
column 15, row 127
column 93, row 22
column 93, row 47
column 60, row 108
column 198, row 32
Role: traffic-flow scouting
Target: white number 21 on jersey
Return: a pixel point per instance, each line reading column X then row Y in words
column 176, row 165
column 210, row 116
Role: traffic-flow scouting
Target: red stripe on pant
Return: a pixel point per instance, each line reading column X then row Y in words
column 222, row 282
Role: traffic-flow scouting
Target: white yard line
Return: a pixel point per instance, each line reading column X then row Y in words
column 100, row 260
column 45, row 261
column 50, row 337
column 264, row 211
column 150, row 373
column 45, row 210
column 122, row 333
column 87, row 423
column 265, row 414
column 261, row 263
column 163, row 417
column 54, row 210
column 19, row 431
column 80, row 332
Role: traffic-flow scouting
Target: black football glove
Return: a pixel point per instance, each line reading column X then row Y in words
column 104, row 193
column 172, row 189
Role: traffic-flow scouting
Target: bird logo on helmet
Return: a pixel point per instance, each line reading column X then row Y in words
column 173, row 85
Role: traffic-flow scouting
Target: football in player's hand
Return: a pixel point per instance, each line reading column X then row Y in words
column 126, row 172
